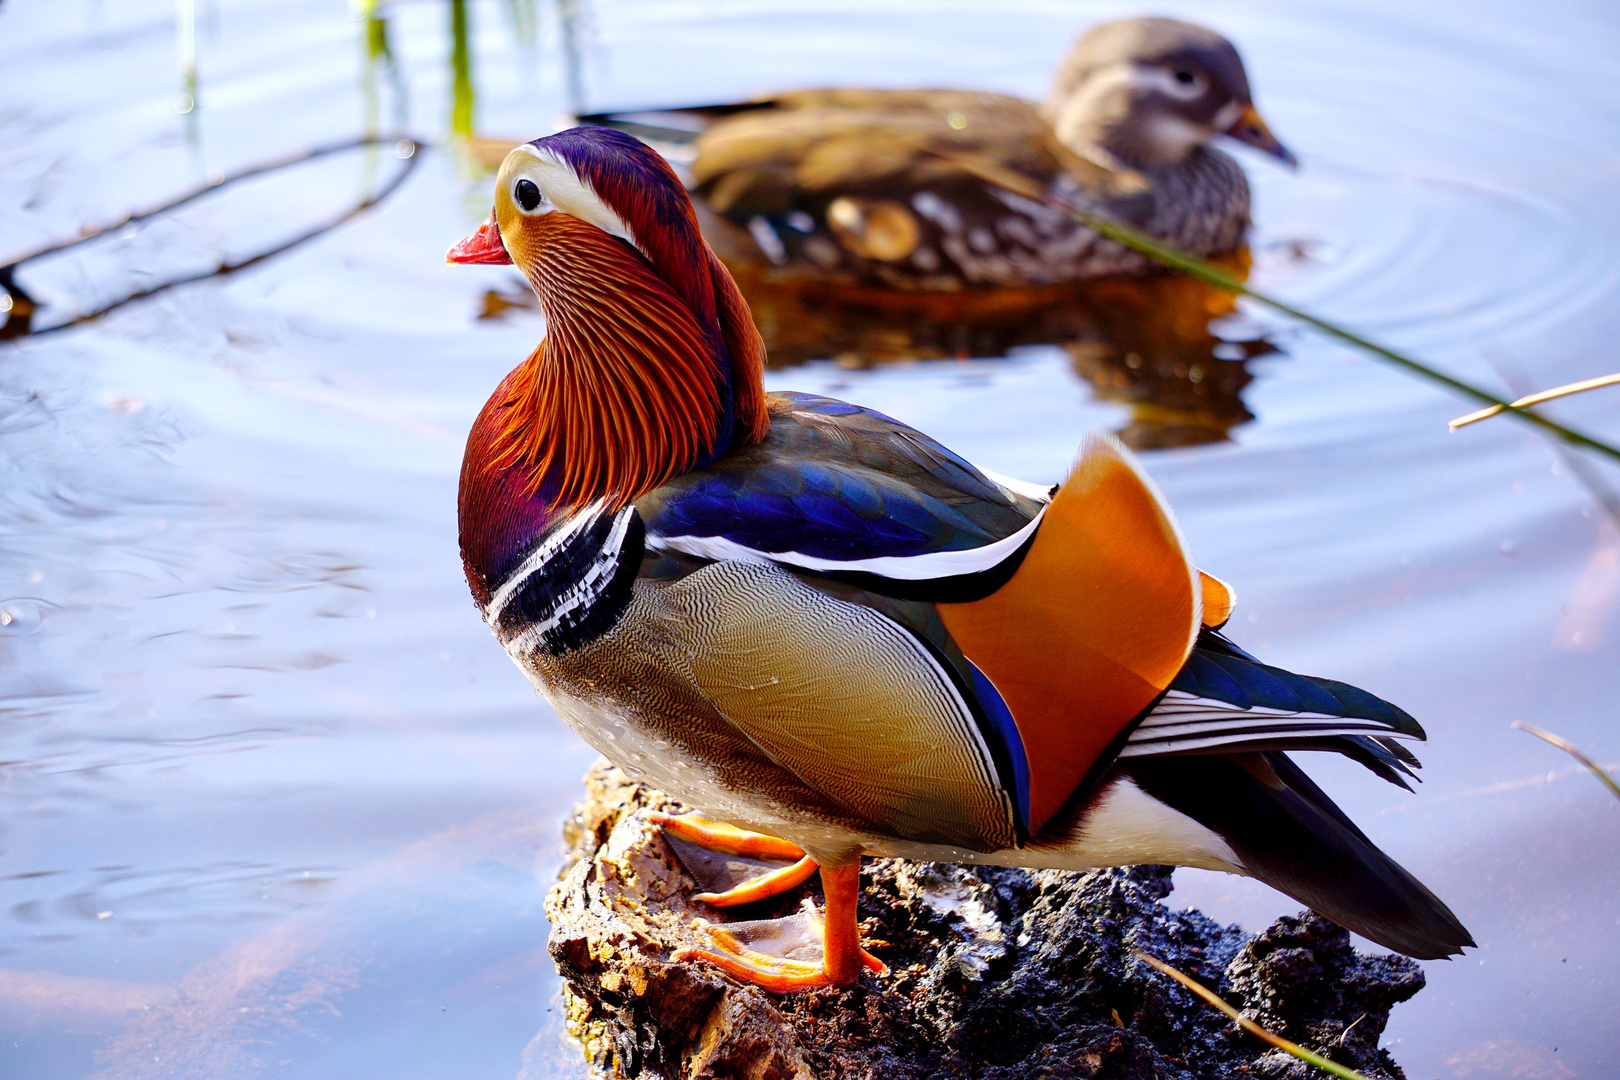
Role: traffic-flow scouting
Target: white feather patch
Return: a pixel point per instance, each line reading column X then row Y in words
column 571, row 193
column 924, row 567
column 1127, row 826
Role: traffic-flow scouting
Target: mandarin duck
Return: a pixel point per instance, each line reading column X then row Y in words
column 876, row 188
column 835, row 637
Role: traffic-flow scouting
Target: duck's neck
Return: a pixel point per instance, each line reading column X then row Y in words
column 628, row 389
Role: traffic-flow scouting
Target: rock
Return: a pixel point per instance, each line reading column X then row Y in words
column 995, row 974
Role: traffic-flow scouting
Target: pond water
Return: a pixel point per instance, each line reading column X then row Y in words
column 273, row 802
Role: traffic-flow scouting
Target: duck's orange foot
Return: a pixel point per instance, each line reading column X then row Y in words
column 779, row 955
column 764, row 866
column 739, row 867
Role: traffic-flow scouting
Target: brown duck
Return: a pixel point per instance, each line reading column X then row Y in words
column 875, row 188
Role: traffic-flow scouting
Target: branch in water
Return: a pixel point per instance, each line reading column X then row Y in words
column 23, row 305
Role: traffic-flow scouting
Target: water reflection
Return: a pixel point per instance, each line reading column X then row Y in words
column 1155, row 344
column 236, row 648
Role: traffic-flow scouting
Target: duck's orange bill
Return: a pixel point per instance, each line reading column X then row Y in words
column 482, row 248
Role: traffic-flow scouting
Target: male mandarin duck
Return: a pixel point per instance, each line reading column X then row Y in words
column 877, row 188
column 837, row 637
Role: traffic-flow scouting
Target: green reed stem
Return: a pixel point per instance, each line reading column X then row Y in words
column 1307, row 1056
column 1212, row 275
column 1196, row 268
column 461, row 107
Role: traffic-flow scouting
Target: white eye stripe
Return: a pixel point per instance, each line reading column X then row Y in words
column 1164, row 80
column 1145, row 77
column 561, row 188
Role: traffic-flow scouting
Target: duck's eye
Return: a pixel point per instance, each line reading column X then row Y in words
column 527, row 194
column 1185, row 83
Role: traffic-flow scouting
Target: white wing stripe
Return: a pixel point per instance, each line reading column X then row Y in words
column 930, row 565
column 1039, row 492
column 1276, row 723
column 1183, row 722
column 1149, row 749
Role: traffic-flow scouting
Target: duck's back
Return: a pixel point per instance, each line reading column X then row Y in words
column 876, row 188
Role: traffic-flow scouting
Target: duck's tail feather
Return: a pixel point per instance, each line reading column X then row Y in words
column 1290, row 835
column 1224, row 701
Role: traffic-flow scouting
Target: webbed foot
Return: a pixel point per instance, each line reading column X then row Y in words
column 794, row 953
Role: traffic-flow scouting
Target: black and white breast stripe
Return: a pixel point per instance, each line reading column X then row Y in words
column 573, row 586
column 1183, row 722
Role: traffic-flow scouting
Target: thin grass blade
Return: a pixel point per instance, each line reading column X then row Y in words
column 1331, row 1067
column 1569, row 748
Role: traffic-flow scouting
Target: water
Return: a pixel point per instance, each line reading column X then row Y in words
column 273, row 801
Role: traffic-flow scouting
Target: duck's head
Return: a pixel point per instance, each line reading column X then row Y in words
column 1147, row 92
column 651, row 364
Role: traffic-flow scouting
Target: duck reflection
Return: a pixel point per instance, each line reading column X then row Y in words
column 1145, row 342
column 1149, row 345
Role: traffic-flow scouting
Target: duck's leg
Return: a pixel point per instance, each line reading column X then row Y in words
column 778, row 954
column 741, row 949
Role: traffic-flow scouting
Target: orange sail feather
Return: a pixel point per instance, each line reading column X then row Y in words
column 1092, row 627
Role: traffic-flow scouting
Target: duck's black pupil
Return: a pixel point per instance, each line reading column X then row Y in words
column 1184, row 77
column 528, row 195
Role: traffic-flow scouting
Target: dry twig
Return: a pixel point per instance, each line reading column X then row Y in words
column 1538, row 398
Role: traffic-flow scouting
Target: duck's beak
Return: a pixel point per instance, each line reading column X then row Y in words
column 482, row 248
column 1249, row 128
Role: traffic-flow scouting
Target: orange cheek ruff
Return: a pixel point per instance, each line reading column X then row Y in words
column 625, row 391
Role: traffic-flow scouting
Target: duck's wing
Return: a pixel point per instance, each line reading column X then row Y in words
column 851, row 495
column 888, row 187
column 843, row 137
column 1057, row 620
column 801, row 575
column 835, row 696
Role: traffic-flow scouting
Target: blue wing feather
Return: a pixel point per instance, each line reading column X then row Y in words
column 1246, row 683
column 833, row 481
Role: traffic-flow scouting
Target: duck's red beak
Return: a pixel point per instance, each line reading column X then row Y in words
column 483, row 248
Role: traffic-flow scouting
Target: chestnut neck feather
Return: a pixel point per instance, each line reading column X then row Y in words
column 626, row 390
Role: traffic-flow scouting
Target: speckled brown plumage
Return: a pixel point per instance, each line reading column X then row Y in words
column 788, row 165
column 872, row 187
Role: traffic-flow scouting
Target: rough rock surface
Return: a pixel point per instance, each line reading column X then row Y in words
column 995, row 974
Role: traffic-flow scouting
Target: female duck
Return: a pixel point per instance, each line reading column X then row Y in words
column 828, row 630
column 871, row 187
